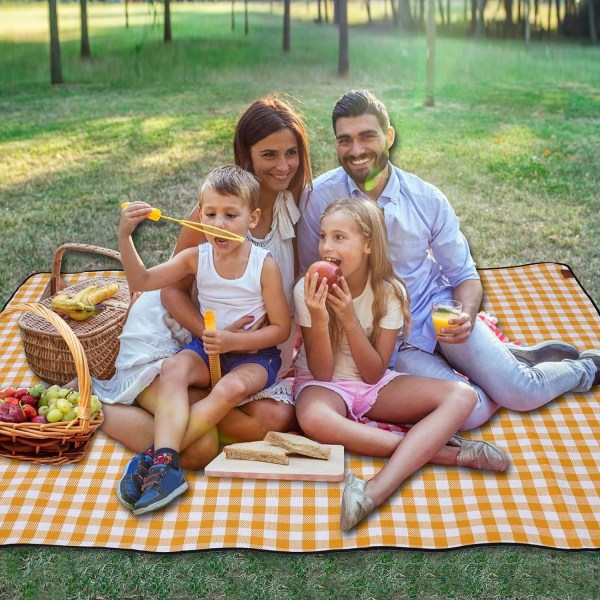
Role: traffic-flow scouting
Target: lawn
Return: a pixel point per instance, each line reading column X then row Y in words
column 513, row 141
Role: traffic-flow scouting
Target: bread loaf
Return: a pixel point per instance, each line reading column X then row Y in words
column 261, row 450
column 298, row 444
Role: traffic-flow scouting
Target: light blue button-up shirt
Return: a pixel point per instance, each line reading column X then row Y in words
column 427, row 248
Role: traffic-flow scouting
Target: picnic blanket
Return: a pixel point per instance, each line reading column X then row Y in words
column 550, row 495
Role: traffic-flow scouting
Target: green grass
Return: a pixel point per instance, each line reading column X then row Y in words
column 513, row 141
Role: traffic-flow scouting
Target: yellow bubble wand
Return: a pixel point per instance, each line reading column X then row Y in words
column 214, row 362
column 156, row 215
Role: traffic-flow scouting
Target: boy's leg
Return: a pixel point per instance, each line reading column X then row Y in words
column 243, row 381
column 165, row 481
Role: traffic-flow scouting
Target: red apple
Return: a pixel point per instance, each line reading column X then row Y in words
column 327, row 270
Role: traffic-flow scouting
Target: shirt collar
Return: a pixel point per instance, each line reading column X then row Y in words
column 391, row 191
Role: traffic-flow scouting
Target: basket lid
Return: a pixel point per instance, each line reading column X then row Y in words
column 112, row 313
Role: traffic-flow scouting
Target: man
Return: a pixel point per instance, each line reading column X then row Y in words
column 432, row 255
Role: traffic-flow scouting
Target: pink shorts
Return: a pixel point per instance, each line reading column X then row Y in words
column 359, row 397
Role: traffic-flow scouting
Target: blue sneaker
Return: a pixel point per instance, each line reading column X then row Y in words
column 129, row 489
column 163, row 484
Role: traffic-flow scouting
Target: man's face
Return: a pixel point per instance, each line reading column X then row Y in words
column 363, row 147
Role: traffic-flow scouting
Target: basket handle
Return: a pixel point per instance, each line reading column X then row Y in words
column 55, row 281
column 79, row 357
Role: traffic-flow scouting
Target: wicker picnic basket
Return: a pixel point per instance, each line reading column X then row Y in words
column 46, row 350
column 53, row 443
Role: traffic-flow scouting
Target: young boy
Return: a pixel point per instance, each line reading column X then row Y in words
column 232, row 280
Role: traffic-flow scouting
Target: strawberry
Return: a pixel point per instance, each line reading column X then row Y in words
column 28, row 399
column 29, row 411
column 20, row 392
column 9, row 391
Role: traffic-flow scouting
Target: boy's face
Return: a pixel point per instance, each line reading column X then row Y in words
column 231, row 213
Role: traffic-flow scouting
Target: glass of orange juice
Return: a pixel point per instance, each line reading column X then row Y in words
column 442, row 311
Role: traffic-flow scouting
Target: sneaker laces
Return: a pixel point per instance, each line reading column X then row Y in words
column 154, row 477
column 141, row 470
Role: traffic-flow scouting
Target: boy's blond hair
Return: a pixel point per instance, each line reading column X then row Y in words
column 231, row 180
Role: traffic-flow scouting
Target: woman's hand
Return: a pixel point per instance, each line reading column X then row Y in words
column 340, row 300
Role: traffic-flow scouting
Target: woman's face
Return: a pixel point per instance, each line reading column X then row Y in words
column 275, row 160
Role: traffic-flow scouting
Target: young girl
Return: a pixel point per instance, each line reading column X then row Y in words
column 349, row 336
column 232, row 278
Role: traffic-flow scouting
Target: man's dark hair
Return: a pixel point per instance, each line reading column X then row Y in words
column 360, row 102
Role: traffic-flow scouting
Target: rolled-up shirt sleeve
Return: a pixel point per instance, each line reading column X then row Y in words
column 449, row 246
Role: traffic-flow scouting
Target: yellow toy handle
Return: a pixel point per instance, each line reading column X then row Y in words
column 156, row 214
column 214, row 362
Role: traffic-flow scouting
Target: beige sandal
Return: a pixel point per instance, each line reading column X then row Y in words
column 356, row 505
column 477, row 454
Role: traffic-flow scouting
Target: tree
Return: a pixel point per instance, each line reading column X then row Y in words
column 343, row 65
column 168, row 37
column 55, row 68
column 429, row 92
column 286, row 25
column 85, row 40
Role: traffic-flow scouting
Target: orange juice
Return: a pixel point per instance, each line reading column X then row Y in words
column 440, row 320
column 443, row 311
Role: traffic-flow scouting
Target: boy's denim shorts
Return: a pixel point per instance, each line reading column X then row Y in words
column 269, row 358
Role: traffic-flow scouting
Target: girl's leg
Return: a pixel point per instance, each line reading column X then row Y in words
column 235, row 386
column 322, row 414
column 437, row 409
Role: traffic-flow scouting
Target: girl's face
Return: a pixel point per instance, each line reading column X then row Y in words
column 340, row 242
column 227, row 212
column 275, row 160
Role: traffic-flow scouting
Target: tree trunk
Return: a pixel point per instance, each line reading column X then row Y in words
column 85, row 40
column 430, row 85
column 286, row 25
column 55, row 68
column 557, row 15
column 246, row 17
column 319, row 17
column 448, row 12
column 508, row 9
column 326, row 4
column 232, row 15
column 126, row 14
column 343, row 25
column 168, row 37
column 368, row 7
column 527, row 26
column 592, row 21
column 480, row 27
column 442, row 15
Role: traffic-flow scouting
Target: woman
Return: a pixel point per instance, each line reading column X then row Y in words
column 270, row 141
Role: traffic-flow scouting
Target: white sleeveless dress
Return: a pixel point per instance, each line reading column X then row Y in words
column 151, row 334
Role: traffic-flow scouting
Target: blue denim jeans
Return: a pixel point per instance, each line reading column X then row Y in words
column 499, row 379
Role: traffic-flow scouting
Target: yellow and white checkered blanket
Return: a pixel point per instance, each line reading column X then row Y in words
column 550, row 496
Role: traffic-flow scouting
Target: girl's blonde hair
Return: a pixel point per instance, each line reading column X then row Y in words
column 368, row 220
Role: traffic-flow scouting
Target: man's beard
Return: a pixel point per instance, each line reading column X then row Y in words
column 364, row 176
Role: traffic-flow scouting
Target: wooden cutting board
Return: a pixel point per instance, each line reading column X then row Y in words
column 301, row 468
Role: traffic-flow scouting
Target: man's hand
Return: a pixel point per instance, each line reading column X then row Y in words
column 458, row 334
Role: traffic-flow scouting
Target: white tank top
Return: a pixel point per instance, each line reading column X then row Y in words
column 230, row 299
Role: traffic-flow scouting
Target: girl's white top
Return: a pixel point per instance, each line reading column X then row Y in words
column 344, row 365
column 151, row 334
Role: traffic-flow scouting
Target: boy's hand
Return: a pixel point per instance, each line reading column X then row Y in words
column 131, row 216
column 218, row 341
